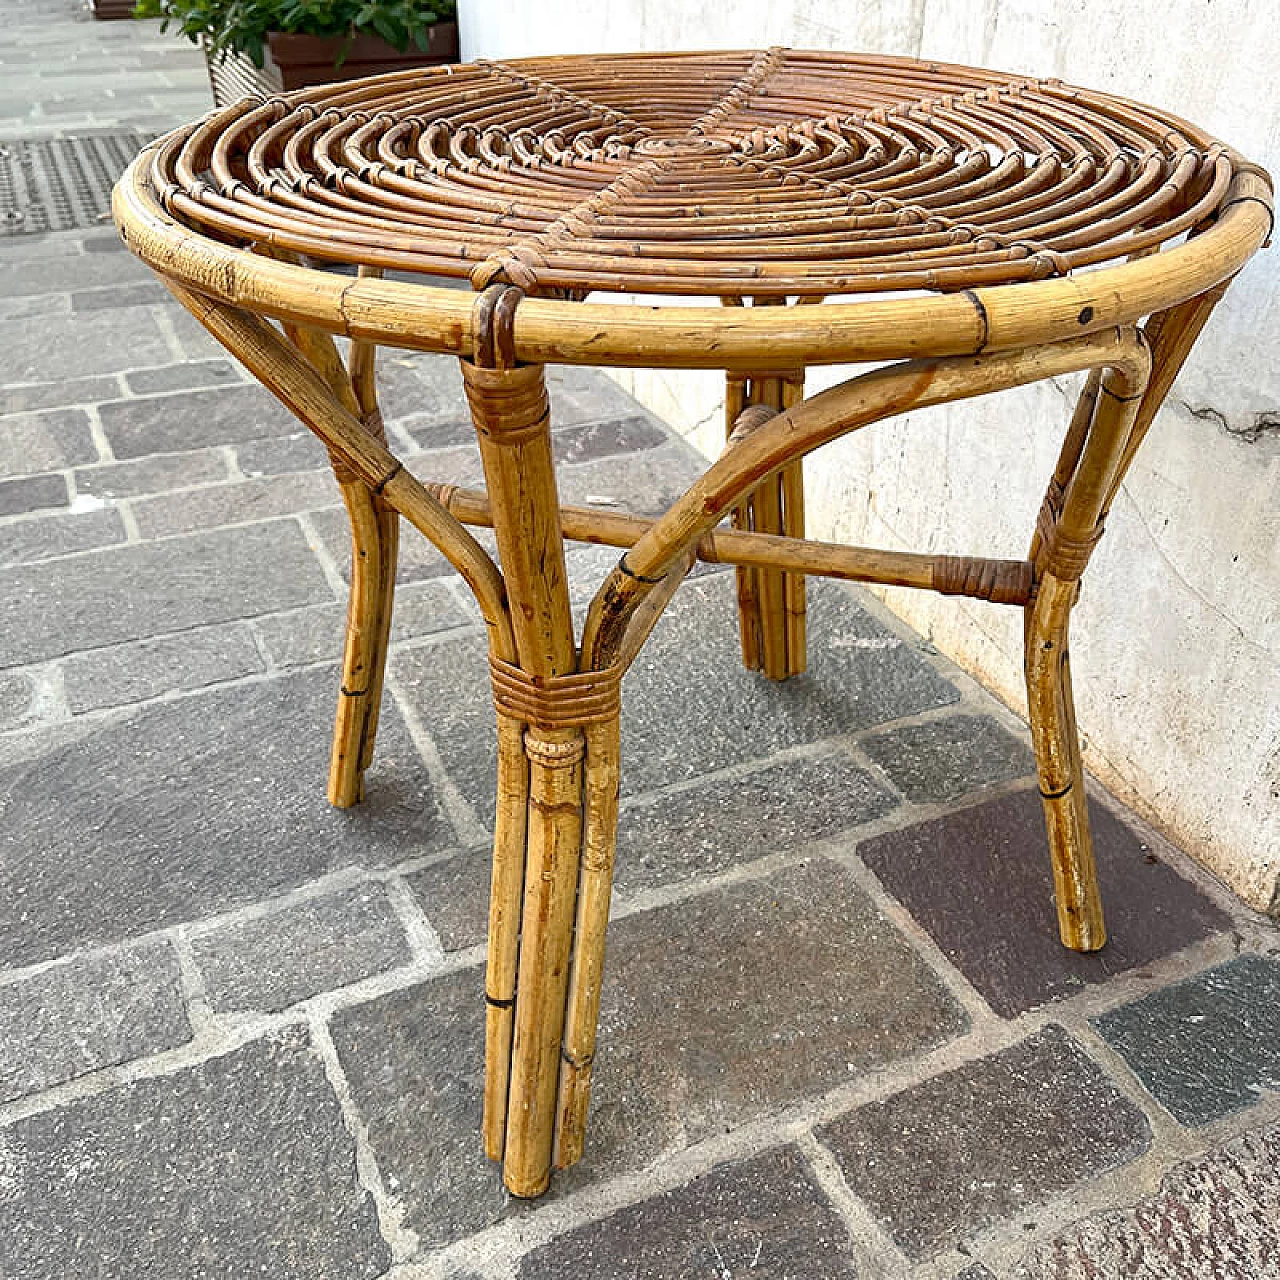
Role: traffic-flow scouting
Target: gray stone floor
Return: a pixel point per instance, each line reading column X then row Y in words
column 240, row 1032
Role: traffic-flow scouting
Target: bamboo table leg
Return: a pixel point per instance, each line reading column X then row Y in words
column 528, row 1019
column 375, row 541
column 1088, row 470
column 771, row 602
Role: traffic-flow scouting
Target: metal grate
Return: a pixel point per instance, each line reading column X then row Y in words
column 58, row 184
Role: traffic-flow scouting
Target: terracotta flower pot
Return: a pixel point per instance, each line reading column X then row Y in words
column 296, row 61
column 105, row 9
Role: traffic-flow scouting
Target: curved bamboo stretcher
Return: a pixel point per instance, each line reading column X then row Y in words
column 977, row 231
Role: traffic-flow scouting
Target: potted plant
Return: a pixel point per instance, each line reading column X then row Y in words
column 261, row 47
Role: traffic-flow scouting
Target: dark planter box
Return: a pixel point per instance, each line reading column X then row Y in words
column 294, row 62
column 106, row 9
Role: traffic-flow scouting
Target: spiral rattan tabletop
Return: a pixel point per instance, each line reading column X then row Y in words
column 776, row 172
column 769, row 174
column 981, row 230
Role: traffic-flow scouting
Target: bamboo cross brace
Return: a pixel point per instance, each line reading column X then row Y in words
column 1000, row 581
column 796, row 432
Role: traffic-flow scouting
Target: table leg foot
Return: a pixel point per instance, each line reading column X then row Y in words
column 549, row 911
column 586, row 974
column 554, row 842
column 1060, row 769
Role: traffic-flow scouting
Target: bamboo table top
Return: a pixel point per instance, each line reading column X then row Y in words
column 768, row 174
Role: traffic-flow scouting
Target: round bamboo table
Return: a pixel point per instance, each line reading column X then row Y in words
column 969, row 231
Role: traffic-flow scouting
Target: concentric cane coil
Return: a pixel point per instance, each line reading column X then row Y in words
column 772, row 173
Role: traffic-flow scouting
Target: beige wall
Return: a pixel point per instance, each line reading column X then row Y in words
column 1177, row 639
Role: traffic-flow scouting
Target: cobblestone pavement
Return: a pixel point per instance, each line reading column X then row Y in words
column 240, row 1032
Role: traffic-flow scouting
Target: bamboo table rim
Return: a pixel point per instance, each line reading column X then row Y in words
column 965, row 231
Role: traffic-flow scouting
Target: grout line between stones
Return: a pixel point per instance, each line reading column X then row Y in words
column 164, row 322
column 194, row 995
column 462, row 817
column 400, row 1239
column 953, row 980
column 424, row 942
column 875, row 1251
column 98, row 433
column 332, row 574
column 232, row 460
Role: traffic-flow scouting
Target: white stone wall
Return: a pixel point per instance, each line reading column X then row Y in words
column 1177, row 636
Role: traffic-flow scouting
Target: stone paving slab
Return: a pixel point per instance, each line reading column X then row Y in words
column 710, row 828
column 949, row 757
column 91, row 1012
column 138, row 294
column 193, row 420
column 155, row 473
column 241, row 502
column 414, row 1060
column 75, row 603
column 191, row 807
column 53, row 395
column 238, row 1166
column 744, row 1000
column 42, row 348
column 61, row 274
column 454, row 895
column 127, row 673
column 278, row 455
column 1208, row 1046
column 940, row 1161
column 152, row 474
column 16, row 694
column 46, row 537
column 315, row 633
column 1217, row 1217
column 32, row 493
column 32, row 442
column 980, row 882
column 759, row 1217
column 35, row 304
column 188, row 376
column 272, row 961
